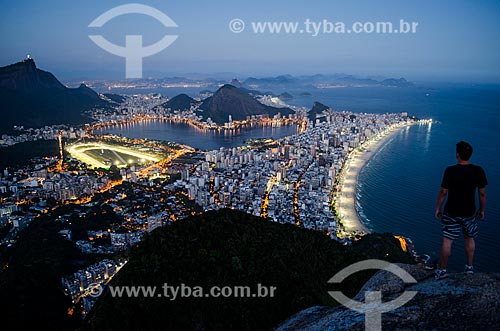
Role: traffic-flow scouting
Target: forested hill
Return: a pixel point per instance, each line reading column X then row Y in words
column 232, row 248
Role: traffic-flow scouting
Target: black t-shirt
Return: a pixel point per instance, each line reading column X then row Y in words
column 462, row 182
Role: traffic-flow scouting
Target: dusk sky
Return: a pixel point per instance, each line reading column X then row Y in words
column 454, row 41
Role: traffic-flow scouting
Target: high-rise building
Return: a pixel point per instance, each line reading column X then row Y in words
column 185, row 174
column 154, row 222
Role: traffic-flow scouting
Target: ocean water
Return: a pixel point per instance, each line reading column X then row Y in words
column 397, row 189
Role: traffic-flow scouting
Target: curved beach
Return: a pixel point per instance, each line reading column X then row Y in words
column 356, row 160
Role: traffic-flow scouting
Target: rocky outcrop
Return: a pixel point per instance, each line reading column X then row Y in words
column 33, row 98
column 460, row 302
column 25, row 76
column 317, row 109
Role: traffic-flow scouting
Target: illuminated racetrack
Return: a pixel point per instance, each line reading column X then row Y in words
column 109, row 154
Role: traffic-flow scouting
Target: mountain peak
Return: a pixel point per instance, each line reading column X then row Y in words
column 33, row 97
column 180, row 102
column 84, row 87
column 317, row 109
column 227, row 87
column 230, row 100
column 25, row 76
column 27, row 63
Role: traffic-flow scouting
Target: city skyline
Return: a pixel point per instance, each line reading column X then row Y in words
column 452, row 41
column 243, row 157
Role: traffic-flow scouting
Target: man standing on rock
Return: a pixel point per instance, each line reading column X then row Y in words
column 459, row 185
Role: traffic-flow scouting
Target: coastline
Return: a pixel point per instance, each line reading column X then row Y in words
column 197, row 124
column 355, row 161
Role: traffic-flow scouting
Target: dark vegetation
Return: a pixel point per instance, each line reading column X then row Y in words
column 223, row 248
column 115, row 97
column 30, row 288
column 20, row 154
column 316, row 109
column 31, row 269
column 180, row 102
column 229, row 248
column 33, row 98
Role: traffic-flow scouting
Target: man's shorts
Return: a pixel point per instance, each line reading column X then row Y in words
column 453, row 225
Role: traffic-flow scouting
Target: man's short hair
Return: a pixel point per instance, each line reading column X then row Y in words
column 464, row 150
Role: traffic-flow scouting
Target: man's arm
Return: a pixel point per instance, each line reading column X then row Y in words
column 482, row 202
column 441, row 196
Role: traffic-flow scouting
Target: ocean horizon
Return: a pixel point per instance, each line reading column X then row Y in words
column 397, row 189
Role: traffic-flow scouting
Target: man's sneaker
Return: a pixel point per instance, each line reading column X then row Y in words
column 441, row 273
column 469, row 269
column 430, row 265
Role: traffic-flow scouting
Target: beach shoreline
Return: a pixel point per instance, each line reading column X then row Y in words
column 355, row 161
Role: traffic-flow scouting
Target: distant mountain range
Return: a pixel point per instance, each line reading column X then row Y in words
column 33, row 98
column 278, row 84
column 321, row 81
column 238, row 99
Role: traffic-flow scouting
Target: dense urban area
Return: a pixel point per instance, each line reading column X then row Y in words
column 108, row 191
